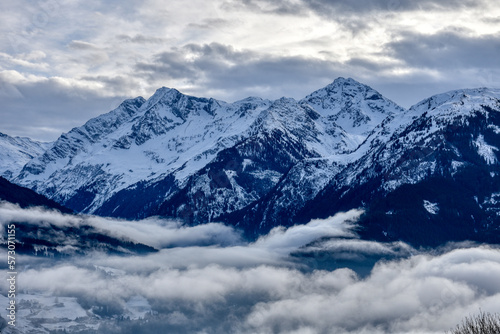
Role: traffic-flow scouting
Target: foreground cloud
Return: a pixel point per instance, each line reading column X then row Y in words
column 232, row 286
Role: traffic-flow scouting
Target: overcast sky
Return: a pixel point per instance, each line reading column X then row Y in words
column 65, row 61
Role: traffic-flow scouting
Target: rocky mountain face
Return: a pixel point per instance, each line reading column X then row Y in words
column 257, row 164
column 15, row 152
column 435, row 179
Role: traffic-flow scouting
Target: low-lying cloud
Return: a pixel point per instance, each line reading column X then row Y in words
column 207, row 279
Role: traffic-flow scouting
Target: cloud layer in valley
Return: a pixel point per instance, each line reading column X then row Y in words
column 207, row 279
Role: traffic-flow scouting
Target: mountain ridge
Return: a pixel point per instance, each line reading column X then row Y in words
column 15, row 152
column 257, row 163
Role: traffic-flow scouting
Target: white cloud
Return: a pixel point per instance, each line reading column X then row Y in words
column 285, row 240
column 258, row 287
column 408, row 296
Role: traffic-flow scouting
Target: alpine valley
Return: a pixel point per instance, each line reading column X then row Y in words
column 425, row 175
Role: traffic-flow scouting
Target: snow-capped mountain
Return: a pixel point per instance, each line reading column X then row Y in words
column 436, row 178
column 353, row 107
column 169, row 134
column 15, row 152
column 257, row 163
column 169, row 154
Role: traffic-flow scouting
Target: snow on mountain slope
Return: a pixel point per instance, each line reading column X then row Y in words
column 15, row 152
column 257, row 163
column 174, row 144
column 281, row 136
column 285, row 135
column 355, row 108
column 328, row 149
column 403, row 147
column 461, row 102
column 443, row 150
column 435, row 130
column 139, row 141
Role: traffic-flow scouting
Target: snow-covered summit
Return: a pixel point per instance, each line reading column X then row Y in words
column 458, row 102
column 355, row 107
column 138, row 141
column 176, row 134
column 176, row 105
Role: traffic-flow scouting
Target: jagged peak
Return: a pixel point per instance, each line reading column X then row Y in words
column 180, row 104
column 279, row 106
column 162, row 94
column 167, row 91
column 118, row 115
column 345, row 90
column 137, row 102
column 252, row 99
column 349, row 95
column 166, row 94
column 21, row 139
column 284, row 100
column 341, row 84
column 341, row 81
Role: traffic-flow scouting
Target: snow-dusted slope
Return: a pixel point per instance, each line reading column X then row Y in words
column 445, row 151
column 161, row 155
column 286, row 134
column 171, row 133
column 427, row 131
column 15, row 152
column 257, row 163
column 355, row 108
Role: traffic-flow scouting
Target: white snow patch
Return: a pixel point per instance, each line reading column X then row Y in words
column 53, row 313
column 495, row 128
column 486, row 151
column 456, row 165
column 15, row 152
column 432, row 208
column 247, row 162
column 494, row 199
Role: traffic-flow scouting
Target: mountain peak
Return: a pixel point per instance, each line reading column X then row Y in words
column 164, row 90
column 164, row 94
column 171, row 103
column 343, row 91
column 341, row 81
column 356, row 107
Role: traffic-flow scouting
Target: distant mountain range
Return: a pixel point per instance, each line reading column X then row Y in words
column 426, row 175
column 15, row 152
